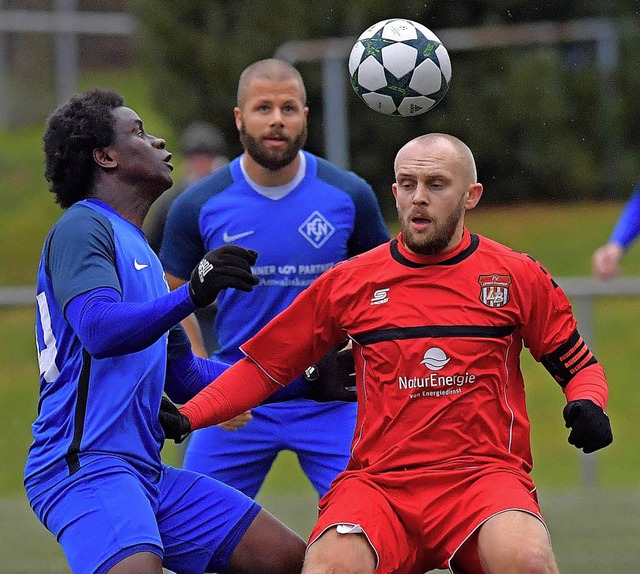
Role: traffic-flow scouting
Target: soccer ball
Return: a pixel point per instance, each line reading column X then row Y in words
column 400, row 68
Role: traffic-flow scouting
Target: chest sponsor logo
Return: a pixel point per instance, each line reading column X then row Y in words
column 435, row 358
column 316, row 229
column 380, row 296
column 435, row 384
column 494, row 289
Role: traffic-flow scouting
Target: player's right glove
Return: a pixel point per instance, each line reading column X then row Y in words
column 333, row 377
column 175, row 425
column 589, row 424
column 228, row 266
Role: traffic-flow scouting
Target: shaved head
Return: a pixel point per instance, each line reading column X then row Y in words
column 449, row 144
column 272, row 70
column 436, row 183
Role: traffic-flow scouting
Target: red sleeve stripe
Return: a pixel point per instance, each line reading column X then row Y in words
column 579, row 343
column 586, row 358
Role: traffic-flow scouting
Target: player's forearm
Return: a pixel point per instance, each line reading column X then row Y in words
column 190, row 374
column 109, row 327
column 238, row 389
column 589, row 383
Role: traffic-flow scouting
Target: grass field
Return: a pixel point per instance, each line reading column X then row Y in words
column 594, row 530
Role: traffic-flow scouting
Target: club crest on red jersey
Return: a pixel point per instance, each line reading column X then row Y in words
column 494, row 289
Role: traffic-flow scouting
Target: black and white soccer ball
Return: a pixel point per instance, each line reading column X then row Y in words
column 400, row 68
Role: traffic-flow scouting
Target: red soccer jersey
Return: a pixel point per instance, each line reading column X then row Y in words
column 437, row 344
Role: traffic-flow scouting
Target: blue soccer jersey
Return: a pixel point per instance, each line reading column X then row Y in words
column 327, row 216
column 92, row 406
column 94, row 475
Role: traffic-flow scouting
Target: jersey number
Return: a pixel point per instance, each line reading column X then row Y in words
column 46, row 356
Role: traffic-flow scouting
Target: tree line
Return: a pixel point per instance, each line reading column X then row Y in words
column 545, row 123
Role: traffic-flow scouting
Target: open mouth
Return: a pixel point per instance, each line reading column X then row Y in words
column 420, row 222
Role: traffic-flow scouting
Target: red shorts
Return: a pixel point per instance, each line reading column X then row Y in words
column 419, row 521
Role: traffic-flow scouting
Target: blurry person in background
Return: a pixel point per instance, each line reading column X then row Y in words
column 204, row 149
column 303, row 215
column 607, row 258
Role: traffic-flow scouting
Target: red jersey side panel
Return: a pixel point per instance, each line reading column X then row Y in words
column 436, row 343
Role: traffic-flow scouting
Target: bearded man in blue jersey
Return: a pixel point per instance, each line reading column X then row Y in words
column 303, row 215
column 109, row 343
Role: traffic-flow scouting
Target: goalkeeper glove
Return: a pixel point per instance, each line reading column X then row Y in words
column 589, row 424
column 333, row 377
column 227, row 266
column 175, row 425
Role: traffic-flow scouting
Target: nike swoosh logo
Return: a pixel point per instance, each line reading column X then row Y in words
column 139, row 266
column 229, row 238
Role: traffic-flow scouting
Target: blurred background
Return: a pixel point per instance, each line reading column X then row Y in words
column 544, row 93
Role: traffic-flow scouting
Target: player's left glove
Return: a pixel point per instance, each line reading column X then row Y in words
column 227, row 267
column 175, row 425
column 589, row 424
column 333, row 377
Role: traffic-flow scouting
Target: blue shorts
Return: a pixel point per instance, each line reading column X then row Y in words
column 106, row 511
column 319, row 433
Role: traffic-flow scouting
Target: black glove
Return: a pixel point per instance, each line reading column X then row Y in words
column 589, row 424
column 174, row 423
column 227, row 266
column 333, row 377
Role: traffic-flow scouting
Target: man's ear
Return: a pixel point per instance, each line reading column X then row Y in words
column 102, row 156
column 474, row 193
column 394, row 189
column 237, row 114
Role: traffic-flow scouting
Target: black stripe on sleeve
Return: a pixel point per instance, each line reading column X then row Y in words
column 568, row 359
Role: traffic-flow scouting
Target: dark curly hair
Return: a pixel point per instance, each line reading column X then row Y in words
column 73, row 131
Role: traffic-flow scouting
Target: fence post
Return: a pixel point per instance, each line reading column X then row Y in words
column 583, row 306
column 66, row 53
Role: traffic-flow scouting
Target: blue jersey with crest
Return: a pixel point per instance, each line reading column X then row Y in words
column 329, row 215
column 90, row 407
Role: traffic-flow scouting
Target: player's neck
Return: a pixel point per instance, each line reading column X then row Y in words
column 268, row 177
column 130, row 206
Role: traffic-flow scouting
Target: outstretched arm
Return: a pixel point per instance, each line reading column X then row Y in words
column 241, row 387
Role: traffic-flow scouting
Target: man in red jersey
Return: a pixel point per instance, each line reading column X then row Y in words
column 440, row 470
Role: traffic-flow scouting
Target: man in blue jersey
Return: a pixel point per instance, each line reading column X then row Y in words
column 607, row 258
column 304, row 215
column 109, row 342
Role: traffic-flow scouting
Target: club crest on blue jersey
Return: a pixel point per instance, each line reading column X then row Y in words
column 494, row 289
column 316, row 229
